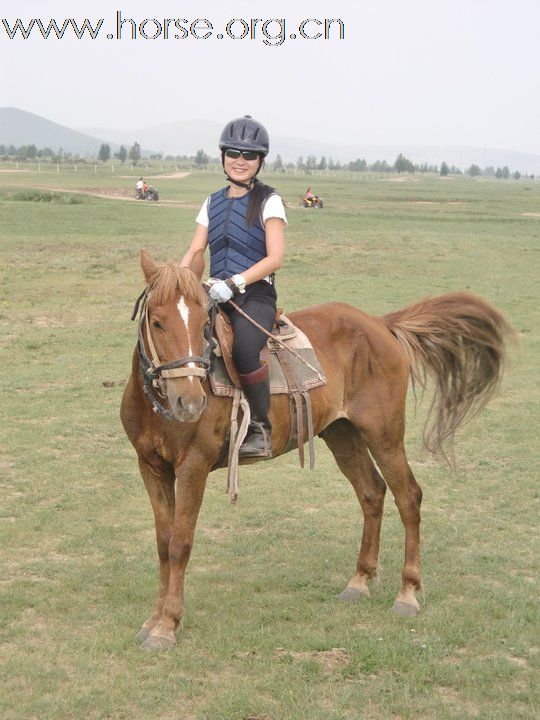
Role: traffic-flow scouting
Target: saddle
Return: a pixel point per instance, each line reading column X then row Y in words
column 289, row 375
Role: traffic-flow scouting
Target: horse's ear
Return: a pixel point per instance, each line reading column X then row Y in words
column 197, row 264
column 148, row 265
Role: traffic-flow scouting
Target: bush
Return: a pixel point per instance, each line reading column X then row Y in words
column 44, row 196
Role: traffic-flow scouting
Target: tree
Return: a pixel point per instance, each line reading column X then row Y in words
column 201, row 159
column 516, row 175
column 322, row 164
column 498, row 173
column 381, row 166
column 300, row 163
column 311, row 163
column 121, row 154
column 278, row 164
column 444, row 169
column 135, row 153
column 505, row 173
column 403, row 164
column 474, row 171
column 104, row 152
column 27, row 152
column 357, row 165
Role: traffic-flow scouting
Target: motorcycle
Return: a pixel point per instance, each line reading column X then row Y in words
column 150, row 194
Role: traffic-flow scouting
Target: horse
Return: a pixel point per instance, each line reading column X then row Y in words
column 458, row 338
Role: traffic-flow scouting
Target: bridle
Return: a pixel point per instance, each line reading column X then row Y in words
column 153, row 371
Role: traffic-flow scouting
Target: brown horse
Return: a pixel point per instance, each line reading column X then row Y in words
column 360, row 413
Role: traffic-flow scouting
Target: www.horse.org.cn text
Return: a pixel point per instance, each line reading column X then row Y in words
column 271, row 31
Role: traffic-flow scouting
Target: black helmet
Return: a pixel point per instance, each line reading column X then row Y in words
column 245, row 133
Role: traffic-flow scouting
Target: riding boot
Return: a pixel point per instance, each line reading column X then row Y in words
column 256, row 387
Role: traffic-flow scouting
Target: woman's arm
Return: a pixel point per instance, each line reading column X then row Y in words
column 275, row 250
column 199, row 242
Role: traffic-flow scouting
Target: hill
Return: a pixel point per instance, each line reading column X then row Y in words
column 18, row 127
column 185, row 137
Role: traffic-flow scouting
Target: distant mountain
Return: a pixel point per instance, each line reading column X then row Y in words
column 180, row 138
column 187, row 136
column 18, row 127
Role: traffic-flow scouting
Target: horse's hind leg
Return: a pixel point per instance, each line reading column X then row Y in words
column 393, row 464
column 159, row 481
column 355, row 463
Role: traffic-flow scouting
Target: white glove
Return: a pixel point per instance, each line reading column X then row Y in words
column 220, row 292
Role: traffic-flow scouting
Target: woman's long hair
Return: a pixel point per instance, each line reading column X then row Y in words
column 257, row 195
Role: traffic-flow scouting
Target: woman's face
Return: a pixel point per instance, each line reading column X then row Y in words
column 240, row 169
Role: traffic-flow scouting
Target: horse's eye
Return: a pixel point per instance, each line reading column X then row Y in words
column 157, row 324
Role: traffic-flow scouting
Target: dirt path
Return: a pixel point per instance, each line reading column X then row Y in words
column 166, row 176
column 113, row 194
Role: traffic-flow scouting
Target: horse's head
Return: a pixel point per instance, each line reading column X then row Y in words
column 176, row 316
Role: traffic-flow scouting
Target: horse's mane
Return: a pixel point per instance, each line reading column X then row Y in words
column 169, row 279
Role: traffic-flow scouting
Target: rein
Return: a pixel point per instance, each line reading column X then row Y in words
column 153, row 371
column 274, row 338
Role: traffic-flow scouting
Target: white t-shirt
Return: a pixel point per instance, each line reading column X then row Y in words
column 272, row 207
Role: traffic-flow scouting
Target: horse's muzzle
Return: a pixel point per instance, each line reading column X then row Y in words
column 189, row 409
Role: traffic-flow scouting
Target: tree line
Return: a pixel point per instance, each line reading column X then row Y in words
column 24, row 153
column 310, row 164
column 400, row 165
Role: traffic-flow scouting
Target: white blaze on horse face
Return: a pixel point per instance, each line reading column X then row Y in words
column 184, row 314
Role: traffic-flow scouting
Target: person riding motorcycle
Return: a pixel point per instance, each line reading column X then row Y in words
column 244, row 226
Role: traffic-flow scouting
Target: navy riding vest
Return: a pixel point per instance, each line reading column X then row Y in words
column 234, row 247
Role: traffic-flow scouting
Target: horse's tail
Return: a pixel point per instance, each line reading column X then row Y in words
column 460, row 340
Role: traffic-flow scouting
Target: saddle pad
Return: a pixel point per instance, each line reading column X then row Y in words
column 222, row 385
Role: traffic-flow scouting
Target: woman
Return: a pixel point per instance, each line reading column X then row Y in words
column 244, row 226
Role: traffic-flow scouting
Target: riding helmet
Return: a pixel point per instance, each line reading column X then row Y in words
column 245, row 133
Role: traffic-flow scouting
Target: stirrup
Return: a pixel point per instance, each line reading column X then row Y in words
column 257, row 443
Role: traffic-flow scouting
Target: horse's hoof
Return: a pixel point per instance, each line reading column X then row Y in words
column 143, row 633
column 405, row 609
column 155, row 643
column 351, row 595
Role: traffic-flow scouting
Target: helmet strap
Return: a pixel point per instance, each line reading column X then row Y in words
column 247, row 185
column 251, row 182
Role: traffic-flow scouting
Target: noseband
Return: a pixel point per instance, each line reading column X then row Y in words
column 154, row 373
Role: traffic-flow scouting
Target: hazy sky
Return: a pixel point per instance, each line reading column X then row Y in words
column 443, row 72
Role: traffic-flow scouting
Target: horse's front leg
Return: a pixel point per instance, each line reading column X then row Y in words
column 158, row 478
column 190, row 485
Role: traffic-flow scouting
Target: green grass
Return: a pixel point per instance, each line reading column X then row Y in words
column 263, row 636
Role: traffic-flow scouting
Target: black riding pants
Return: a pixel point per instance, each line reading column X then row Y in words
column 259, row 302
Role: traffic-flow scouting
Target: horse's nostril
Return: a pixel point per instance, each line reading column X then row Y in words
column 192, row 406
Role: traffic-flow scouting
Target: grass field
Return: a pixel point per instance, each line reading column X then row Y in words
column 264, row 636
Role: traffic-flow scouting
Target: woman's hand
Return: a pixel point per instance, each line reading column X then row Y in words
column 220, row 291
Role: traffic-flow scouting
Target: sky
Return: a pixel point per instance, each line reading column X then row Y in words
column 407, row 72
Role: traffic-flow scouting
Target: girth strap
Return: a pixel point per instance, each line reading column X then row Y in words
column 309, row 417
column 297, row 398
column 297, row 395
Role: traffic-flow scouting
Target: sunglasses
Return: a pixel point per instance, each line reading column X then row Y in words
column 246, row 154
